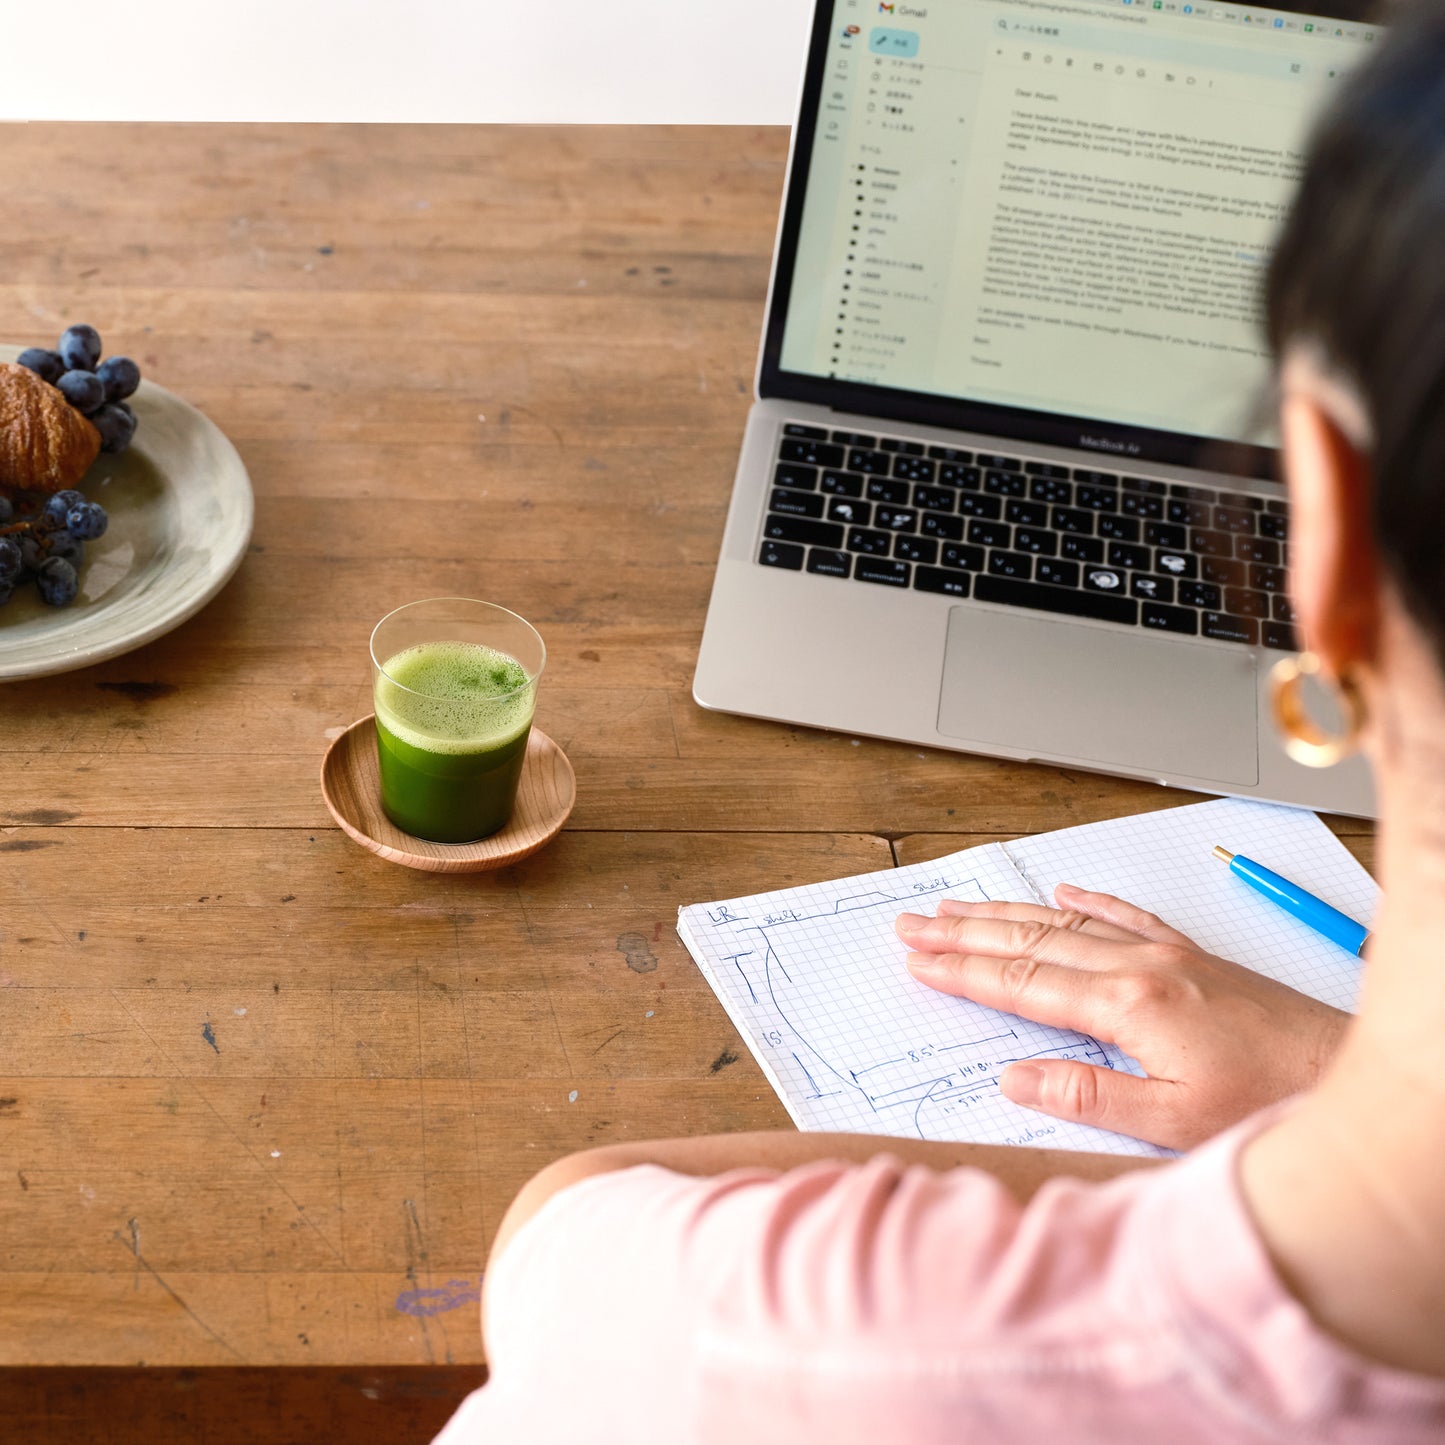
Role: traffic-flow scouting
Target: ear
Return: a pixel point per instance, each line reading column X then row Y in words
column 1334, row 566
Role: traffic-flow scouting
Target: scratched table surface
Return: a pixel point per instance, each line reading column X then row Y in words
column 263, row 1096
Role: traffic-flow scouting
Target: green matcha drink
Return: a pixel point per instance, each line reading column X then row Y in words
column 452, row 719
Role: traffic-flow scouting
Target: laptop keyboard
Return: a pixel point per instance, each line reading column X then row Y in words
column 1173, row 558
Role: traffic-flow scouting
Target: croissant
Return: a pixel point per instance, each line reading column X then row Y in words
column 45, row 444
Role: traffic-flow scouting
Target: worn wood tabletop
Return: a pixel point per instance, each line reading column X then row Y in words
column 264, row 1096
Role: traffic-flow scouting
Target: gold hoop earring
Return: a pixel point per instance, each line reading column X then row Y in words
column 1304, row 740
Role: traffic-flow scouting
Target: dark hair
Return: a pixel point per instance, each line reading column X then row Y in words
column 1359, row 271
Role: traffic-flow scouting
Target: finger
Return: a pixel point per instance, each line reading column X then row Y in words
column 1126, row 916
column 1063, row 998
column 1150, row 1109
column 1048, row 938
column 1058, row 918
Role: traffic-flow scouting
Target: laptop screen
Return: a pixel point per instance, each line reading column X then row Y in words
column 1048, row 218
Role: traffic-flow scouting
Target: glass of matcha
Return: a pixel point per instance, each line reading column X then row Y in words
column 454, row 683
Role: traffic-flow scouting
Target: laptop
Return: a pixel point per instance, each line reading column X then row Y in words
column 1010, row 483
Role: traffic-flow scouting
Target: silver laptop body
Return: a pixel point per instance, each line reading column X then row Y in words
column 998, row 492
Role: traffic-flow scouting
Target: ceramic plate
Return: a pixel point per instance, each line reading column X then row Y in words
column 180, row 509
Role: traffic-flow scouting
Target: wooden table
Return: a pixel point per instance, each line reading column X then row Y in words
column 264, row 1097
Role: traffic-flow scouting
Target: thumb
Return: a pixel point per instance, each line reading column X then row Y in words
column 1087, row 1094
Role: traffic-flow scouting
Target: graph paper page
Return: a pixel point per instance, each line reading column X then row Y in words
column 814, row 980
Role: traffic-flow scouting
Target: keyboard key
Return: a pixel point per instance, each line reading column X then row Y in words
column 799, row 529
column 1005, row 484
column 1188, row 514
column 1169, row 619
column 1046, row 469
column 1199, row 594
column 1279, row 507
column 1213, row 544
column 795, row 504
column 1061, row 574
column 1095, row 479
column 1280, row 635
column 1223, row 570
column 896, row 519
column 960, row 476
column 1125, row 554
column 1176, row 564
column 1036, row 542
column 880, row 489
column 798, row 429
column 1046, row 489
column 1003, row 464
column 843, row 484
column 1224, row 628
column 1103, row 579
column 989, row 534
column 851, row 513
column 967, row 559
column 811, row 453
column 950, row 528
column 1029, row 514
column 1097, row 499
column 1067, row 519
column 853, row 439
column 1241, row 499
column 935, row 499
column 916, row 549
column 1082, row 549
column 1273, row 526
column 1166, row 534
column 781, row 554
column 1198, row 494
column 949, row 454
column 1151, row 588
column 1146, row 485
column 1134, row 505
column 1097, row 605
column 1244, row 603
column 893, row 444
column 829, row 564
column 1234, row 519
column 914, row 469
column 935, row 579
column 1264, row 578
column 789, row 474
column 975, row 504
column 1282, row 608
column 1010, row 564
column 874, row 544
column 1257, row 549
column 861, row 459
column 879, row 569
column 1121, row 529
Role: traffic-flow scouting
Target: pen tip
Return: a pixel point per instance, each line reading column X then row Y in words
column 1223, row 854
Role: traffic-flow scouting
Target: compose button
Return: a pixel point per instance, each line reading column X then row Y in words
column 884, row 40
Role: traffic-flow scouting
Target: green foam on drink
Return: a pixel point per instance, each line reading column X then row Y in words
column 454, row 697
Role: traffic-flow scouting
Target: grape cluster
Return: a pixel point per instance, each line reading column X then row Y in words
column 43, row 540
column 96, row 389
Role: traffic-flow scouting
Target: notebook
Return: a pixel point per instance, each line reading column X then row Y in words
column 813, row 977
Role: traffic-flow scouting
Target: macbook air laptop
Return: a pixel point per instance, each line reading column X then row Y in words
column 1010, row 484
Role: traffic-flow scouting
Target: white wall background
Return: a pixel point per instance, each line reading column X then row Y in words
column 617, row 61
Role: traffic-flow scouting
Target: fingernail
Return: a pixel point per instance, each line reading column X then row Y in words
column 1023, row 1083
column 921, row 962
column 1067, row 888
column 953, row 905
column 910, row 922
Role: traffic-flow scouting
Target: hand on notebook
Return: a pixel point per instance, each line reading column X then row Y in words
column 1217, row 1040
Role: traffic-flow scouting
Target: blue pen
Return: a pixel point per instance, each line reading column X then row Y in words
column 1336, row 926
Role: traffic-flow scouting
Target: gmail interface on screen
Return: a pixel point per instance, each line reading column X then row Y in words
column 1062, row 205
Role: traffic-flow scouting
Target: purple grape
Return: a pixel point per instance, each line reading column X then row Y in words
column 45, row 364
column 32, row 558
column 57, row 582
column 84, row 390
column 80, row 348
column 87, row 521
column 59, row 504
column 7, row 510
column 121, row 377
column 10, row 561
column 63, row 544
column 115, row 422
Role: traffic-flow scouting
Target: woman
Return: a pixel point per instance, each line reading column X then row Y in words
column 1286, row 1280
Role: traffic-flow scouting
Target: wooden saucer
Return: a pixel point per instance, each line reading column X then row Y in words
column 351, row 786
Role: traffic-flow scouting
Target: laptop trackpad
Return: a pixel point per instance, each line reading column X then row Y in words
column 1119, row 699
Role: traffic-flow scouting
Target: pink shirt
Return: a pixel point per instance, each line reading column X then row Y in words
column 880, row 1303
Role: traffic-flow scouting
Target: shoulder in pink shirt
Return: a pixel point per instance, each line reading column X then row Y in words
column 881, row 1303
